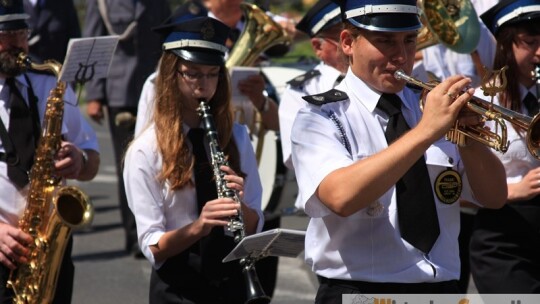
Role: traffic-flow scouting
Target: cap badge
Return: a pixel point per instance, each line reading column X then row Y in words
column 207, row 30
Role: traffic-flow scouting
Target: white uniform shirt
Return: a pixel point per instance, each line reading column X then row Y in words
column 145, row 108
column 481, row 6
column 74, row 128
column 364, row 247
column 291, row 101
column 157, row 209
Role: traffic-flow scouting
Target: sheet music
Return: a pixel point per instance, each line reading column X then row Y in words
column 88, row 58
column 237, row 74
column 275, row 242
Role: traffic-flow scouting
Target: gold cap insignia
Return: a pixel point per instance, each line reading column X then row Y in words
column 207, row 30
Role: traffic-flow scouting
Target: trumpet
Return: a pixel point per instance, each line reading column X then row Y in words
column 489, row 111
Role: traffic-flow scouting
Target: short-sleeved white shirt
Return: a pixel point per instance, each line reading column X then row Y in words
column 156, row 208
column 368, row 247
column 291, row 101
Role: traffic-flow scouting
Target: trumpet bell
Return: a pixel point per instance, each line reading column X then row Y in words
column 533, row 137
column 500, row 115
column 454, row 23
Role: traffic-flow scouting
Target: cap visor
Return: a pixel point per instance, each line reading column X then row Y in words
column 529, row 17
column 200, row 56
column 13, row 25
column 388, row 22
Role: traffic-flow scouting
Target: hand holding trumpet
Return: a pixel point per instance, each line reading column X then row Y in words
column 444, row 105
column 466, row 126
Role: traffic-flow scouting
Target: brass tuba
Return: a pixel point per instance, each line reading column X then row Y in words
column 453, row 23
column 52, row 210
column 260, row 33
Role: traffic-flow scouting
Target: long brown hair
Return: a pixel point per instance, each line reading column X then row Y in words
column 504, row 56
column 168, row 117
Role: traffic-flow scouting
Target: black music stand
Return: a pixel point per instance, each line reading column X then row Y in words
column 275, row 242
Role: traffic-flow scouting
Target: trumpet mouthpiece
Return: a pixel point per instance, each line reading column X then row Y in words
column 399, row 74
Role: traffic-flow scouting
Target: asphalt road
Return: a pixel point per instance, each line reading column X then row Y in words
column 105, row 273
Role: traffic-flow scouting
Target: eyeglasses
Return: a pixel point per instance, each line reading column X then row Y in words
column 190, row 76
column 14, row 34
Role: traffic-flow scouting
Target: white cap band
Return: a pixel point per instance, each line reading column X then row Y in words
column 380, row 9
column 194, row 43
column 517, row 12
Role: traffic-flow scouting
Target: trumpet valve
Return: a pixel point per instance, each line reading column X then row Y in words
column 455, row 136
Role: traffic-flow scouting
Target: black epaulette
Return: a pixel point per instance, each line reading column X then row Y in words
column 326, row 97
column 298, row 81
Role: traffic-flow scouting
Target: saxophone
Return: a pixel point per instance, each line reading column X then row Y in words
column 255, row 292
column 52, row 210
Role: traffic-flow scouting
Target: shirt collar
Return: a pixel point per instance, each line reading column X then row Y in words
column 367, row 95
column 523, row 91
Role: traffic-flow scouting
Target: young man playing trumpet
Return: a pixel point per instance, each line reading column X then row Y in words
column 381, row 185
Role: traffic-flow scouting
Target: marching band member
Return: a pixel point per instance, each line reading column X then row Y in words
column 23, row 99
column 371, row 166
column 322, row 23
column 505, row 244
column 254, row 87
column 180, row 220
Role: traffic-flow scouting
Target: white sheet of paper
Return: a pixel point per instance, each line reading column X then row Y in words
column 237, row 74
column 88, row 58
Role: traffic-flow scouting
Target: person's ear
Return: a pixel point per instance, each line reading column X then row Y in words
column 316, row 43
column 346, row 42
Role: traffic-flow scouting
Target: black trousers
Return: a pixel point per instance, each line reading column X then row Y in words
column 64, row 286
column 182, row 280
column 121, row 136
column 331, row 290
column 505, row 249
column 464, row 239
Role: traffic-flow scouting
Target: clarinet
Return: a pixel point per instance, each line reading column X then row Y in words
column 255, row 292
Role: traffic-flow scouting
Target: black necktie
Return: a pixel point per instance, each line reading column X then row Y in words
column 339, row 80
column 417, row 215
column 214, row 247
column 531, row 103
column 204, row 181
column 21, row 134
